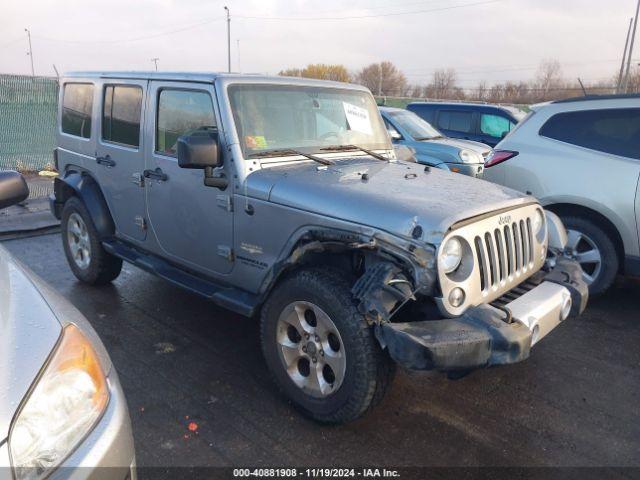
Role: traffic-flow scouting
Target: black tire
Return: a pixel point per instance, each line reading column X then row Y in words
column 610, row 262
column 369, row 370
column 102, row 267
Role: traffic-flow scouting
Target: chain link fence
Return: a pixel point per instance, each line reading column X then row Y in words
column 28, row 109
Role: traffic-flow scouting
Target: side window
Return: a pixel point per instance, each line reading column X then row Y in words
column 77, row 107
column 423, row 112
column 181, row 112
column 121, row 115
column 614, row 131
column 494, row 125
column 455, row 120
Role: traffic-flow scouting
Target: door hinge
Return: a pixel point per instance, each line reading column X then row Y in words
column 225, row 252
column 140, row 222
column 138, row 179
column 225, row 201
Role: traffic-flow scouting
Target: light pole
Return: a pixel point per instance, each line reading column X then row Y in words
column 238, row 48
column 228, row 39
column 155, row 62
column 633, row 40
column 30, row 53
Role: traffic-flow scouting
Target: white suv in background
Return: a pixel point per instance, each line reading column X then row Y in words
column 581, row 158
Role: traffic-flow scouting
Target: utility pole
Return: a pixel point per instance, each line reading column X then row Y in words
column 155, row 62
column 229, row 39
column 633, row 39
column 380, row 79
column 624, row 56
column 238, row 48
column 30, row 52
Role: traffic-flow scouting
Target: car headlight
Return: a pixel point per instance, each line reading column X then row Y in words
column 451, row 255
column 537, row 222
column 68, row 398
column 469, row 156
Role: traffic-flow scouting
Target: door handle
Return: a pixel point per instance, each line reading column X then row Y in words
column 156, row 174
column 106, row 161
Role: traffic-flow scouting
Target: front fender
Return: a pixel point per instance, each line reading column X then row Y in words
column 86, row 188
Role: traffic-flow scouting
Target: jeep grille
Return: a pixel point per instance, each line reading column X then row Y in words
column 501, row 252
column 504, row 252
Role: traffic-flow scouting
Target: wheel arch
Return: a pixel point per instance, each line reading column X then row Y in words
column 82, row 185
column 571, row 209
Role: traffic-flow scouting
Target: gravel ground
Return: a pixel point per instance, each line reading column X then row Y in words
column 182, row 360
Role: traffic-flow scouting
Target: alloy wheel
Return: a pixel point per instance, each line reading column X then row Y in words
column 79, row 241
column 311, row 349
column 584, row 250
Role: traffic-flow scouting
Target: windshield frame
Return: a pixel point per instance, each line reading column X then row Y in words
column 284, row 83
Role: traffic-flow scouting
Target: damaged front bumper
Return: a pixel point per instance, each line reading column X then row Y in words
column 487, row 335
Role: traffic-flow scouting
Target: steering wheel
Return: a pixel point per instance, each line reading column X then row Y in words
column 328, row 135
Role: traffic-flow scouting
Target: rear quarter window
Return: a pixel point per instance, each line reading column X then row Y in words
column 77, row 108
column 614, row 131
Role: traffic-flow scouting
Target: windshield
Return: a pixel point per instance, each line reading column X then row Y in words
column 418, row 128
column 308, row 119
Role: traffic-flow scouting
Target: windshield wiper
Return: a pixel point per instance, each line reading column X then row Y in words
column 343, row 148
column 288, row 151
column 436, row 137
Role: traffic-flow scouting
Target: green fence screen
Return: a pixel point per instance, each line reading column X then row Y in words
column 27, row 122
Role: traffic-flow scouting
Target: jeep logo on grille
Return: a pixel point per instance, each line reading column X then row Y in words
column 504, row 220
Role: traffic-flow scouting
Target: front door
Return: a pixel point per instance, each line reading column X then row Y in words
column 192, row 223
column 120, row 157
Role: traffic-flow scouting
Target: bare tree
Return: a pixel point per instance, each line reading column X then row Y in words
column 382, row 79
column 549, row 77
column 443, row 85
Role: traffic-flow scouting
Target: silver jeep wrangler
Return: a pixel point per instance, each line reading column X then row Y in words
column 282, row 198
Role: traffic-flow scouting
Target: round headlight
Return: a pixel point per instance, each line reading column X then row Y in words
column 537, row 222
column 451, row 255
column 469, row 156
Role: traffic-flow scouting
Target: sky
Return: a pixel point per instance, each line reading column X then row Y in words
column 492, row 40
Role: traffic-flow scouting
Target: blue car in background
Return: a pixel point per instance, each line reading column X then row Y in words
column 428, row 146
column 469, row 121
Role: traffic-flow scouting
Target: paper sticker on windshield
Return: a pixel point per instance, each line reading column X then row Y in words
column 358, row 118
column 255, row 142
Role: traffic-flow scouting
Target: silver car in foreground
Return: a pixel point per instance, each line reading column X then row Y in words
column 62, row 411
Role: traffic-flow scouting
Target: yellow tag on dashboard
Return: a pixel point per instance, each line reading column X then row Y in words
column 255, row 142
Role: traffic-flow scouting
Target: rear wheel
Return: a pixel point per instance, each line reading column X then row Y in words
column 594, row 250
column 320, row 349
column 88, row 260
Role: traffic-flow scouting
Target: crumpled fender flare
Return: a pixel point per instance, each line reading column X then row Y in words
column 84, row 187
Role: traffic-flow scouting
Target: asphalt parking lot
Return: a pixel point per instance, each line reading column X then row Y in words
column 199, row 393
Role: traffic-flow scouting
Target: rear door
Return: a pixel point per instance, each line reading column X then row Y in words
column 192, row 223
column 456, row 123
column 119, row 155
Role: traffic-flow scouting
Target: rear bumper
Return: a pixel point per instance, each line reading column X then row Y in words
column 485, row 335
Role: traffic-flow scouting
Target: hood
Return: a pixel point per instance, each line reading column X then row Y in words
column 451, row 145
column 28, row 333
column 395, row 198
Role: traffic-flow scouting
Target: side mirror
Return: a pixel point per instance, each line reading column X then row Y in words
column 199, row 150
column 13, row 189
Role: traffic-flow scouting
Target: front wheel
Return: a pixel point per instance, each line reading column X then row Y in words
column 320, row 349
column 594, row 250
